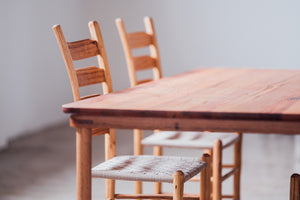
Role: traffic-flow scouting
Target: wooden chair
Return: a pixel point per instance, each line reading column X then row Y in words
column 295, row 187
column 196, row 140
column 176, row 170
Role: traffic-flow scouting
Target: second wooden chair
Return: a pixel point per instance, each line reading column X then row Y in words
column 213, row 143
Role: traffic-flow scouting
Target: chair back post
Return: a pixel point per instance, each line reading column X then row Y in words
column 127, row 51
column 154, row 52
column 102, row 57
column 68, row 60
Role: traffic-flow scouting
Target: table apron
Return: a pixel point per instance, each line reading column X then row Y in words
column 185, row 124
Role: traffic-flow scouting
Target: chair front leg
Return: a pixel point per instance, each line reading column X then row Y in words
column 138, row 150
column 109, row 189
column 217, row 170
column 157, row 151
column 205, row 177
column 178, row 185
column 110, row 150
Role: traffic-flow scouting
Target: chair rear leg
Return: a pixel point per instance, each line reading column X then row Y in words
column 138, row 150
column 157, row 151
column 138, row 187
column 210, row 153
column 237, row 164
column 110, row 150
column 217, row 171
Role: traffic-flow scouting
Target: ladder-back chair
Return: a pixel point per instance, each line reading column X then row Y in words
column 213, row 143
column 176, row 170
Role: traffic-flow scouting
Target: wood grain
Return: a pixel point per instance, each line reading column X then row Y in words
column 211, row 93
column 89, row 76
column 139, row 39
column 83, row 49
column 143, row 62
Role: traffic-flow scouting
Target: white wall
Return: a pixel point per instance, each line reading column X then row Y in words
column 232, row 33
column 194, row 33
column 33, row 79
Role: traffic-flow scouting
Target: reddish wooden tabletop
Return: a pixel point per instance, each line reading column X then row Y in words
column 224, row 94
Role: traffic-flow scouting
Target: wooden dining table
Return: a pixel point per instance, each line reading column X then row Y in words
column 206, row 99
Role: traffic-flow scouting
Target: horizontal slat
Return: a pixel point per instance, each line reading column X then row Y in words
column 89, row 76
column 139, row 39
column 227, row 196
column 228, row 174
column 143, row 81
column 99, row 131
column 83, row 49
column 155, row 196
column 228, row 166
column 195, row 179
column 143, row 62
column 89, row 96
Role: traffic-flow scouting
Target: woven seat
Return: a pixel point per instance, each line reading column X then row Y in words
column 192, row 140
column 213, row 143
column 148, row 168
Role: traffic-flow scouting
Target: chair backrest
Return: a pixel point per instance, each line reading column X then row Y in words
column 85, row 76
column 136, row 40
column 82, row 49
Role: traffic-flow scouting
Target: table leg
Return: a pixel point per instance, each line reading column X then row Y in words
column 83, row 163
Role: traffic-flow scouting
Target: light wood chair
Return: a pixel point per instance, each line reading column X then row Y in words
column 176, row 170
column 213, row 143
column 295, row 187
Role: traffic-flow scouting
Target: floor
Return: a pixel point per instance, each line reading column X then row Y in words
column 42, row 166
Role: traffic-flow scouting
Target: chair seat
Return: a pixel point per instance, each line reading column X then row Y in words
column 194, row 140
column 148, row 168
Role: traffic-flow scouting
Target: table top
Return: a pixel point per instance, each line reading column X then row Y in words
column 205, row 93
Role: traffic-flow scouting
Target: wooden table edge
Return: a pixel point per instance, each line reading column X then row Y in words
column 185, row 124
